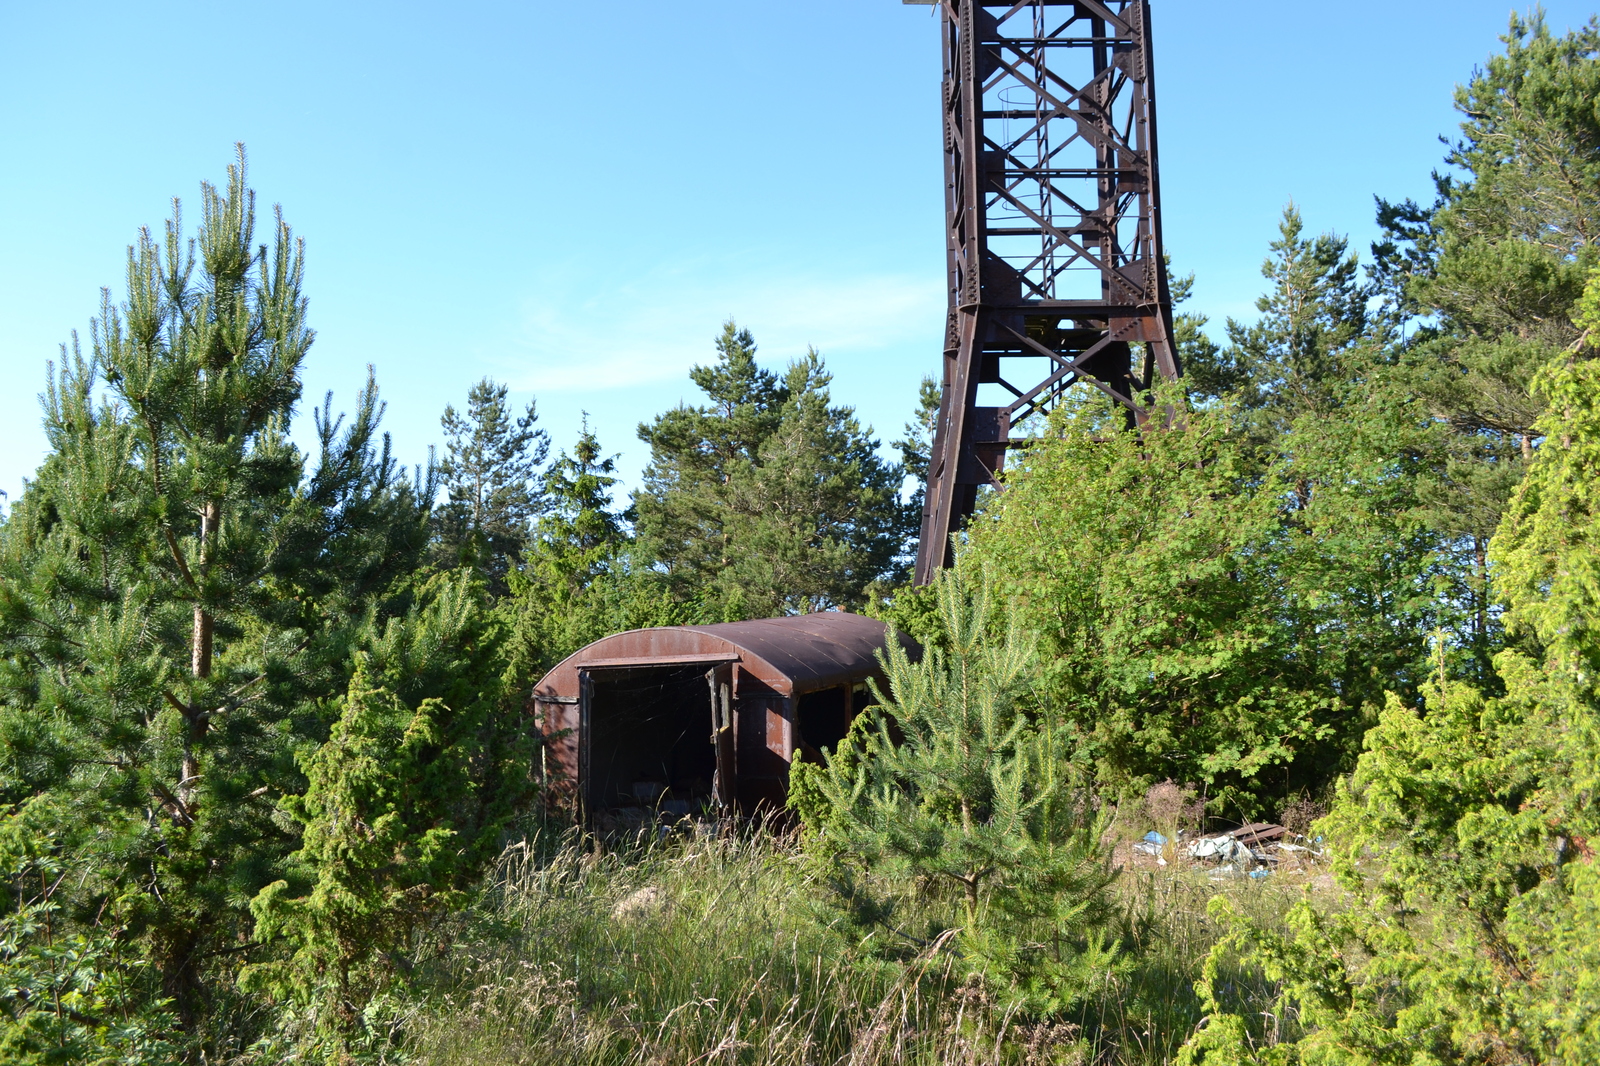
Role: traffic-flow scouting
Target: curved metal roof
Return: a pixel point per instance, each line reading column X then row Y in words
column 810, row 651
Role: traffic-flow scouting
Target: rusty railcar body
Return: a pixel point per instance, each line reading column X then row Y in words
column 683, row 719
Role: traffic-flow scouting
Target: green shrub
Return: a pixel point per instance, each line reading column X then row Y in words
column 69, row 992
column 953, row 788
column 1465, row 831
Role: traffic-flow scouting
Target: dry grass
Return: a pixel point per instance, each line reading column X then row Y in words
column 717, row 950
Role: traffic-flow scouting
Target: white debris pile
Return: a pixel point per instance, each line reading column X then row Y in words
column 1256, row 849
column 1220, row 848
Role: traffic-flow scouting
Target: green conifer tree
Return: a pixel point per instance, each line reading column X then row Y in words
column 491, row 476
column 916, row 446
column 405, row 805
column 1313, row 318
column 953, row 785
column 1485, row 280
column 695, row 452
column 770, row 499
column 817, row 518
column 1463, row 834
column 580, row 533
column 178, row 590
column 579, row 580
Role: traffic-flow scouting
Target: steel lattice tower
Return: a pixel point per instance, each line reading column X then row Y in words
column 1052, row 201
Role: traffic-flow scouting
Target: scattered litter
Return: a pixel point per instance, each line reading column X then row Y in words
column 1257, row 833
column 1259, row 848
column 1152, row 844
column 1222, row 847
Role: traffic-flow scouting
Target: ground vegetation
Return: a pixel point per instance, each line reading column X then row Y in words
column 268, row 786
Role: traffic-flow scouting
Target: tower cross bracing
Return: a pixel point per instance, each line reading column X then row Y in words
column 1052, row 205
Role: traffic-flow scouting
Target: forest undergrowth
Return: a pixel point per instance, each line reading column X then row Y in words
column 709, row 949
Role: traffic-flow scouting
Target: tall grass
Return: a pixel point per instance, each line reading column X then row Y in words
column 719, row 950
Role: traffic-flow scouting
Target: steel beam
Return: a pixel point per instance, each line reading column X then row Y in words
column 1053, row 217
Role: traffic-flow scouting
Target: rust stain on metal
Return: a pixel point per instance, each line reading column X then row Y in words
column 676, row 720
column 1053, row 231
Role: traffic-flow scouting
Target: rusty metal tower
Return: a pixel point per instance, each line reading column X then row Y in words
column 1053, row 215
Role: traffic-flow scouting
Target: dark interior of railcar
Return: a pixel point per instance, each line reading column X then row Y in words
column 650, row 740
column 824, row 716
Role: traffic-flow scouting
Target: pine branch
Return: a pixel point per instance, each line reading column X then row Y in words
column 187, row 710
column 180, row 811
column 177, row 555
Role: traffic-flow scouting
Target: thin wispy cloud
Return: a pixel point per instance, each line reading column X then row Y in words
column 656, row 327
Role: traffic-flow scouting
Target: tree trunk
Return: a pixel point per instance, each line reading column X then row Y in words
column 1480, row 614
column 200, row 661
column 177, row 956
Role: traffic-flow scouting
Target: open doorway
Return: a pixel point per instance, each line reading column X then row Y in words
column 649, row 741
column 824, row 718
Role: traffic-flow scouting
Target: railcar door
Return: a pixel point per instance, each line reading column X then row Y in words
column 720, row 680
column 586, row 784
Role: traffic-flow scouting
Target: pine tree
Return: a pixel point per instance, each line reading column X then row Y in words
column 695, row 452
column 953, row 783
column 770, row 499
column 491, row 473
column 1496, row 265
column 177, row 590
column 817, row 519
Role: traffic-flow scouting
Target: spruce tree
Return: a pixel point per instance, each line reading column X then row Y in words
column 579, row 579
column 1207, row 375
column 1313, row 317
column 916, row 454
column 580, row 532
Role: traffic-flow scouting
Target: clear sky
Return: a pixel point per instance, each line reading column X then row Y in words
column 571, row 198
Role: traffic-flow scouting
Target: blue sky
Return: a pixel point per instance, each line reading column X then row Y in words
column 571, row 198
